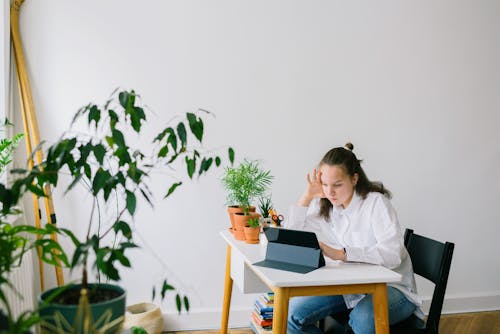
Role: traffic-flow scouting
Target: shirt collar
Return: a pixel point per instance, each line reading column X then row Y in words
column 352, row 207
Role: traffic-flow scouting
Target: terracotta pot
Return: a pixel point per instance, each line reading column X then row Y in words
column 236, row 209
column 240, row 221
column 252, row 234
column 145, row 315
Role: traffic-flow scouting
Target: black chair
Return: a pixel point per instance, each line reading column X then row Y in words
column 431, row 259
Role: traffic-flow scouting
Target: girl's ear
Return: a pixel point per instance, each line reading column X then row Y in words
column 355, row 178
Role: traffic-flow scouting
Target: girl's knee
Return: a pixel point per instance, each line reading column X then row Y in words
column 361, row 320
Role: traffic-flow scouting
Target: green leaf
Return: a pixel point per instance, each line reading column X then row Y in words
column 99, row 153
column 123, row 227
column 217, row 161
column 230, row 153
column 120, row 256
column 136, row 117
column 172, row 189
column 131, row 202
column 70, row 234
column 205, row 165
column 87, row 170
column 172, row 140
column 165, row 287
column 186, row 303
column 181, row 132
column 74, row 182
column 35, row 189
column 126, row 99
column 110, row 141
column 94, row 115
column 191, row 166
column 161, row 135
column 138, row 330
column 163, row 152
column 146, row 197
column 196, row 125
column 178, row 302
column 100, row 179
column 113, row 118
column 18, row 171
column 118, row 138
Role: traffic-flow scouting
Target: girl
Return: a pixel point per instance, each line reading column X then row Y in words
column 354, row 221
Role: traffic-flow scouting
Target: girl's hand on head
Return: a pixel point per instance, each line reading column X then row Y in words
column 314, row 188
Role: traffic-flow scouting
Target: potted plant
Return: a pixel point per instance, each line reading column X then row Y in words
column 243, row 185
column 104, row 162
column 252, row 231
column 265, row 205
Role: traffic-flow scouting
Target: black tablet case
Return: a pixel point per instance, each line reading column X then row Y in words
column 292, row 250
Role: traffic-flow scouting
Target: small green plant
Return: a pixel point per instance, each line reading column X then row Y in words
column 253, row 222
column 7, row 146
column 245, row 183
column 265, row 204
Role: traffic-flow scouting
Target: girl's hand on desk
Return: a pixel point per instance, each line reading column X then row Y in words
column 314, row 188
column 332, row 253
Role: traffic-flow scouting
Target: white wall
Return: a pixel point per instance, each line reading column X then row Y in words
column 4, row 56
column 414, row 85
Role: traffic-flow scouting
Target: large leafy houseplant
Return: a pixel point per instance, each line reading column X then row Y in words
column 116, row 176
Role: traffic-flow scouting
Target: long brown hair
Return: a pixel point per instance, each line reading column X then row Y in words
column 346, row 159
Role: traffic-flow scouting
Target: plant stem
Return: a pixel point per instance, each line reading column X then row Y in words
column 111, row 227
column 91, row 216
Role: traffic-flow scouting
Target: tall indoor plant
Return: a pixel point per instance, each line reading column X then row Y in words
column 108, row 166
column 244, row 184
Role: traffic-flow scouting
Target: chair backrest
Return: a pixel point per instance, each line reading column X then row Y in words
column 431, row 259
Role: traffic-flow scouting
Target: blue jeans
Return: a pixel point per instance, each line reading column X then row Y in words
column 305, row 312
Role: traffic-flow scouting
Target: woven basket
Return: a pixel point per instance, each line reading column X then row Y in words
column 145, row 315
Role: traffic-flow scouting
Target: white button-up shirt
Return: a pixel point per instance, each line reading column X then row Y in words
column 369, row 231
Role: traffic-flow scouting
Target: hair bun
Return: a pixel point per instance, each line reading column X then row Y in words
column 349, row 146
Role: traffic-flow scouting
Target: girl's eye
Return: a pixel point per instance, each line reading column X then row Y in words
column 338, row 185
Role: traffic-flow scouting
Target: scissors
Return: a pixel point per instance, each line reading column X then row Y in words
column 277, row 219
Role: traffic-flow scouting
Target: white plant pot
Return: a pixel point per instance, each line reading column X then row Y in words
column 145, row 315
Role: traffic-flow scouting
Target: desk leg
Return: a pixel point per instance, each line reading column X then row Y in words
column 228, row 289
column 380, row 310
column 280, row 316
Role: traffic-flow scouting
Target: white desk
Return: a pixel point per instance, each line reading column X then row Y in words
column 334, row 279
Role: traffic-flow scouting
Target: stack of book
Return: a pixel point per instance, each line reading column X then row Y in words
column 262, row 315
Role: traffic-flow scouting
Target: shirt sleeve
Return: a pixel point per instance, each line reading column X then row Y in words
column 304, row 218
column 388, row 249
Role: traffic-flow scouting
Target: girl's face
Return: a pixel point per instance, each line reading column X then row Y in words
column 338, row 186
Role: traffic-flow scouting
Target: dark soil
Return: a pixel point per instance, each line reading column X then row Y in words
column 95, row 294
